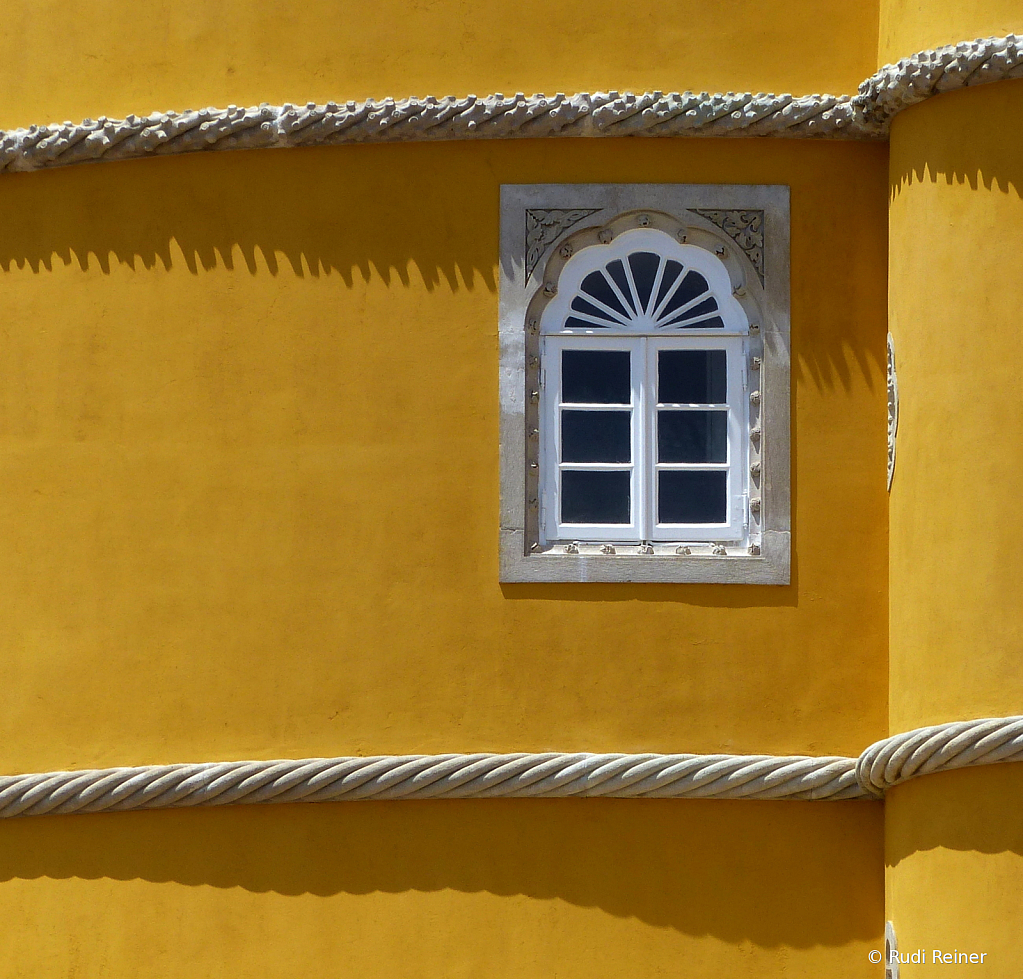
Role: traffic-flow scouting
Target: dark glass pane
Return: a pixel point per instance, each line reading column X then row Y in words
column 597, row 286
column 596, row 436
column 580, row 305
column 693, row 285
column 595, row 497
column 700, row 309
column 692, row 436
column 596, row 377
column 617, row 272
column 684, row 496
column 691, row 377
column 672, row 270
column 574, row 323
column 644, row 271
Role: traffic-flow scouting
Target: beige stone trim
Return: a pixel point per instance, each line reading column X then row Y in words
column 547, row 775
column 865, row 115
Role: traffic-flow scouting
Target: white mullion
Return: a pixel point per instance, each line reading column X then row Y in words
column 626, row 305
column 692, row 406
column 589, row 318
column 655, row 288
column 637, row 305
column 589, row 406
column 702, row 298
column 676, row 285
column 649, row 423
column 593, row 301
column 594, row 466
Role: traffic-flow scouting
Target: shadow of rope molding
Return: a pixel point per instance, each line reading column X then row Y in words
column 865, row 115
column 543, row 775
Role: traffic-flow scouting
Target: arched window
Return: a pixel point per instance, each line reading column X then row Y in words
column 643, row 420
column 644, row 383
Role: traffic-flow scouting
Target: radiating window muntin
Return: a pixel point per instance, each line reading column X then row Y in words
column 649, row 468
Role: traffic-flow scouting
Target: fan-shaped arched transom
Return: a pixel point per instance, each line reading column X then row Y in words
column 644, row 282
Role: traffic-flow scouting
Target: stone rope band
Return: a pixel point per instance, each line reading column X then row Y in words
column 545, row 775
column 865, row 115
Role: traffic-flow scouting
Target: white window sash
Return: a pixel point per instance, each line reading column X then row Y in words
column 736, row 466
column 552, row 528
column 644, row 466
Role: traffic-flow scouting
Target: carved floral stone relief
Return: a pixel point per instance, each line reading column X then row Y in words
column 545, row 226
column 744, row 227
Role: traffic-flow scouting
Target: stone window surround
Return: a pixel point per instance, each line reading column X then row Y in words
column 541, row 226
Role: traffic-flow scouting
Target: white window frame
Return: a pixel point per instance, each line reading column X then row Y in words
column 743, row 233
column 644, row 465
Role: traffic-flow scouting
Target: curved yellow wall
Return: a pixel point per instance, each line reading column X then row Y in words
column 954, row 848
column 70, row 59
column 248, row 412
column 908, row 26
column 955, row 271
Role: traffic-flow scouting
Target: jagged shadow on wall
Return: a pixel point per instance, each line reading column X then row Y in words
column 795, row 874
column 973, row 809
column 951, row 140
column 386, row 210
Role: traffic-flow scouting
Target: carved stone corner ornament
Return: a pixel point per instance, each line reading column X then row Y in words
column 744, row 227
column 893, row 409
column 545, row 226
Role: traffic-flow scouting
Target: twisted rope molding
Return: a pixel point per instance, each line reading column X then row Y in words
column 865, row 115
column 493, row 776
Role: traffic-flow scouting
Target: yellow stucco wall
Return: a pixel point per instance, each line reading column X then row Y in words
column 907, row 26
column 68, row 60
column 953, row 842
column 248, row 430
column 519, row 888
column 248, row 415
column 954, row 850
column 956, row 246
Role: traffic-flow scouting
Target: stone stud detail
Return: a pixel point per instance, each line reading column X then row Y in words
column 755, row 363
column 754, row 549
column 719, row 550
column 534, row 326
column 754, row 505
column 566, row 250
column 754, row 398
column 754, row 327
column 645, row 548
column 605, row 236
column 572, row 548
column 754, row 470
column 682, row 549
column 607, row 549
column 534, row 548
column 534, row 398
column 754, row 433
column 550, row 288
column 643, row 220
